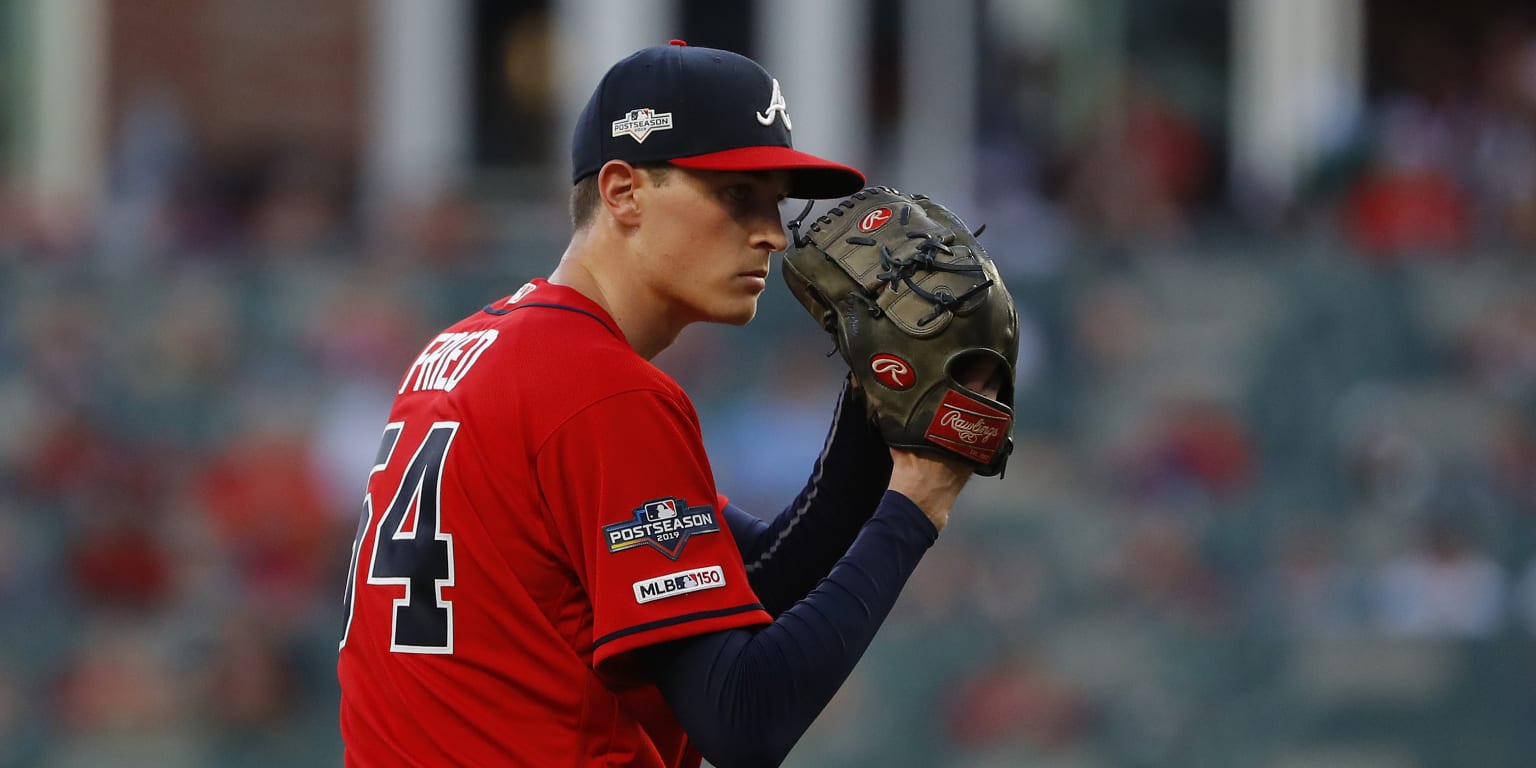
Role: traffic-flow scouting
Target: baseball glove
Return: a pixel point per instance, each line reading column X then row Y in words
column 912, row 300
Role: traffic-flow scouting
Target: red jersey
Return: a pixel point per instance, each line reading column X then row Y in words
column 541, row 504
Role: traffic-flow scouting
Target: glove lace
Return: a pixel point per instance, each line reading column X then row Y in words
column 896, row 271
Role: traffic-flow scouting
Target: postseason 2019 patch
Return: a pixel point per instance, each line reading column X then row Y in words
column 664, row 525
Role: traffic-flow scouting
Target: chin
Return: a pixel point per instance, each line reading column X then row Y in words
column 738, row 315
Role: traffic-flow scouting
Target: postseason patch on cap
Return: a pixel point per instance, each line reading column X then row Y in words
column 664, row 525
column 969, row 427
column 638, row 124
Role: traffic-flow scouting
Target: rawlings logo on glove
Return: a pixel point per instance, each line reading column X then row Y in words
column 913, row 301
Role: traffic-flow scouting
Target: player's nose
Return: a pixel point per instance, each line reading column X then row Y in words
column 769, row 234
column 773, row 240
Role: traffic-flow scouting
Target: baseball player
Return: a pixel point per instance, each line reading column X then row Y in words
column 544, row 572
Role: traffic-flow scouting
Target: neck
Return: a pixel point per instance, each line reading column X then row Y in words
column 596, row 265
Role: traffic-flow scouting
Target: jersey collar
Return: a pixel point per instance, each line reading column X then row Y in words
column 541, row 291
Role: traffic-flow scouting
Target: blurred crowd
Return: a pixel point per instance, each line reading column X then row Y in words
column 1275, row 486
column 1449, row 158
column 1440, row 159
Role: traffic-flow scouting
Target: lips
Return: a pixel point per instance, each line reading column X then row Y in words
column 763, row 273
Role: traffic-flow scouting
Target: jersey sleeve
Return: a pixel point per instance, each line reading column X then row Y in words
column 632, row 500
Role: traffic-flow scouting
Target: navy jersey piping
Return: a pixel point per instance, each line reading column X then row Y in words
column 488, row 309
column 687, row 617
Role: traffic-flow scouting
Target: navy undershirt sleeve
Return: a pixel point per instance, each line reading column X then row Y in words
column 745, row 696
column 786, row 557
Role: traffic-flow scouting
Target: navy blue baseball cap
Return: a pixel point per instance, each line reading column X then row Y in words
column 699, row 108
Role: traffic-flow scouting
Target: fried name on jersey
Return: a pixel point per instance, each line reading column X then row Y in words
column 663, row 524
column 447, row 360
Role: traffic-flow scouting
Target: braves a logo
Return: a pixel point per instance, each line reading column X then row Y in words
column 874, row 219
column 892, row 371
column 776, row 108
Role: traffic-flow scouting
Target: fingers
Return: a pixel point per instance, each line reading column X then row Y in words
column 982, row 374
column 930, row 481
column 938, row 462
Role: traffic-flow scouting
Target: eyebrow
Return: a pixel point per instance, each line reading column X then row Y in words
column 767, row 176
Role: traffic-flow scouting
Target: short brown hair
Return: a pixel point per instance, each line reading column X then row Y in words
column 585, row 199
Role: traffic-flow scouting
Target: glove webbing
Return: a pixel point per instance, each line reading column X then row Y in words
column 893, row 269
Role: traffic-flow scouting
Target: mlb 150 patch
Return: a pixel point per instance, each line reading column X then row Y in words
column 680, row 583
column 662, row 524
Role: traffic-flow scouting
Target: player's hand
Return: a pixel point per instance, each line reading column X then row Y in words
column 933, row 480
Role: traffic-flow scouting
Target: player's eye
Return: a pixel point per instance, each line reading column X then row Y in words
column 738, row 193
column 741, row 199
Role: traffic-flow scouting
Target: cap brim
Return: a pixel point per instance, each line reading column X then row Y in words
column 810, row 177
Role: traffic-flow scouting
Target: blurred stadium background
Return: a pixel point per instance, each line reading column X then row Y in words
column 1274, row 498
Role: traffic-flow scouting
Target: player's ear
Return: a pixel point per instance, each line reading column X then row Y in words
column 616, row 184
